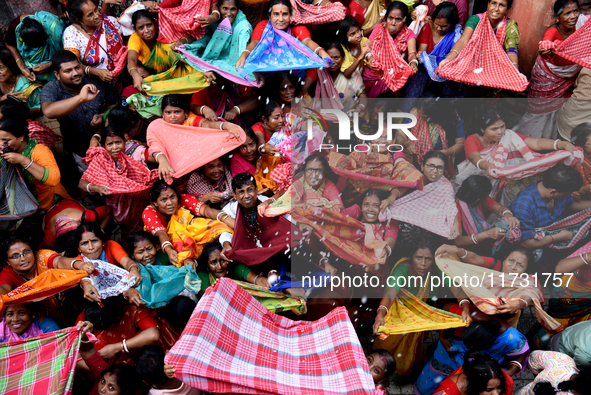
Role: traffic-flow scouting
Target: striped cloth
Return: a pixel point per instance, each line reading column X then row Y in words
column 483, row 61
column 42, row 364
column 485, row 287
column 176, row 22
column 578, row 224
column 306, row 14
column 233, row 344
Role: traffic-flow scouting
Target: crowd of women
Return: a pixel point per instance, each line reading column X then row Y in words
column 154, row 148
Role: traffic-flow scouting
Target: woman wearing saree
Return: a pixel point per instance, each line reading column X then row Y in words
column 351, row 90
column 39, row 167
column 279, row 15
column 477, row 234
column 480, row 374
column 224, row 41
column 154, row 56
column 552, row 77
column 495, row 147
column 581, row 137
column 182, row 223
column 506, row 30
column 248, row 159
column 418, row 208
column 392, row 46
column 122, row 180
column 492, row 336
column 212, row 183
column 32, row 40
column 490, row 29
column 13, row 83
column 435, row 41
column 314, row 187
column 407, row 348
column 94, row 38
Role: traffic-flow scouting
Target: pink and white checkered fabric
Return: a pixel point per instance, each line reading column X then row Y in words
column 305, row 14
column 434, row 208
column 575, row 49
column 175, row 22
column 233, row 344
column 483, row 62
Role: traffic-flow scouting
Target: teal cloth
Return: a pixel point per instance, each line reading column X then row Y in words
column 54, row 28
column 34, row 99
column 162, row 283
column 575, row 342
column 223, row 46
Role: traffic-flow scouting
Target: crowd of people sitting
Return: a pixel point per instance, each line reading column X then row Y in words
column 155, row 148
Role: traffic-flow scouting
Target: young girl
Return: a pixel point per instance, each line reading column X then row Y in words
column 350, row 87
column 272, row 116
column 351, row 38
column 381, row 365
column 247, row 159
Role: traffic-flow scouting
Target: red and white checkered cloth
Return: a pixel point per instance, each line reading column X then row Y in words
column 424, row 143
column 233, row 344
column 434, row 208
column 305, row 14
column 130, row 177
column 575, row 49
column 282, row 175
column 483, row 61
column 578, row 224
column 386, row 52
column 176, row 22
column 43, row 134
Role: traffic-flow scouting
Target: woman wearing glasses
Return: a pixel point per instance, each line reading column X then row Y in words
column 315, row 187
column 434, row 207
column 23, row 263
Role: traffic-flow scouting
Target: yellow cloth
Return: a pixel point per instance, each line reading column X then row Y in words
column 350, row 59
column 189, row 234
column 372, row 16
column 411, row 314
column 138, row 45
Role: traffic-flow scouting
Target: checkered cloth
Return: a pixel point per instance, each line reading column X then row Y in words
column 233, row 344
column 327, row 95
column 578, row 224
column 483, row 61
column 175, row 22
column 40, row 365
column 128, row 176
column 575, row 49
column 42, row 134
column 434, row 208
column 306, row 14
column 386, row 52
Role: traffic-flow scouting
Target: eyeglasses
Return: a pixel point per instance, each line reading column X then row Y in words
column 432, row 167
column 311, row 171
column 19, row 256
